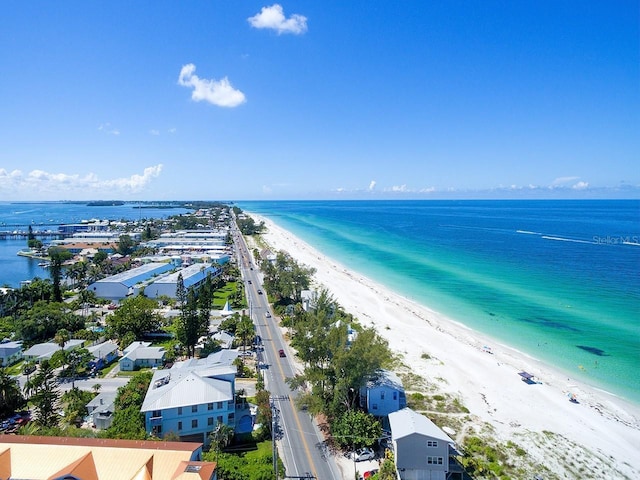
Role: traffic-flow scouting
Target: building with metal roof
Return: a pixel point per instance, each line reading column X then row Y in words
column 421, row 448
column 63, row 458
column 130, row 282
column 10, row 353
column 192, row 277
column 42, row 351
column 383, row 394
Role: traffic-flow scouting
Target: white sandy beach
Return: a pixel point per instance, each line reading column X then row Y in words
column 597, row 438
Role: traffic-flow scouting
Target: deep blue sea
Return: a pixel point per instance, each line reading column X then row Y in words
column 558, row 280
column 45, row 216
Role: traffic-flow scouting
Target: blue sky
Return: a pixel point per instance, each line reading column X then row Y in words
column 239, row 100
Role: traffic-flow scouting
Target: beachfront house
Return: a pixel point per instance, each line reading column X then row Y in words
column 383, row 394
column 141, row 354
column 192, row 398
column 421, row 448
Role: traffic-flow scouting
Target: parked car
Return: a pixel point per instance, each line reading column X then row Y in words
column 369, row 473
column 362, row 454
column 281, row 353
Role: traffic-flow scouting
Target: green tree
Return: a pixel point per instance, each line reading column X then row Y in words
column 356, row 429
column 136, row 315
column 43, row 393
column 128, row 421
column 221, row 437
column 74, row 404
column 57, row 257
column 189, row 328
column 11, row 398
column 126, row 245
column 245, row 329
column 44, row 319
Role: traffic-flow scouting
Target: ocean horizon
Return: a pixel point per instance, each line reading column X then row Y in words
column 555, row 279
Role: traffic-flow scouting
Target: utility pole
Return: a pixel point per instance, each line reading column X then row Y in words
column 274, row 426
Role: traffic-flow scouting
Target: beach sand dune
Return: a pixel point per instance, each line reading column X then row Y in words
column 598, row 437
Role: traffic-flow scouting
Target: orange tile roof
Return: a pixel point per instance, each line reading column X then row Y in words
column 95, row 458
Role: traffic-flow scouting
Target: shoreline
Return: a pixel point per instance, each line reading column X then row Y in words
column 602, row 430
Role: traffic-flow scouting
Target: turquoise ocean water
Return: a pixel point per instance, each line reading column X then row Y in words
column 558, row 280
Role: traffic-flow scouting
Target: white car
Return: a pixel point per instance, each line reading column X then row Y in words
column 362, row 454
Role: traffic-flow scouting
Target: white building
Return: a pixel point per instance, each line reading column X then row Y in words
column 130, row 282
column 192, row 276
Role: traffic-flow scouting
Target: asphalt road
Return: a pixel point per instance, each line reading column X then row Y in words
column 299, row 441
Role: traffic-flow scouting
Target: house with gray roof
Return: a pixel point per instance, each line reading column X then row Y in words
column 10, row 353
column 42, row 351
column 141, row 354
column 421, row 448
column 101, row 410
column 103, row 354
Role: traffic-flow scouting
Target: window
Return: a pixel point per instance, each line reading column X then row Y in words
column 156, row 414
column 210, row 421
column 232, row 417
column 434, row 460
column 374, row 406
column 179, row 425
column 210, row 406
column 219, row 406
column 432, row 443
column 194, row 408
column 179, row 410
column 194, row 423
column 381, row 395
column 395, row 395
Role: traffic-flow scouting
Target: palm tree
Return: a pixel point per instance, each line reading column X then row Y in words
column 221, row 437
column 244, row 329
column 11, row 398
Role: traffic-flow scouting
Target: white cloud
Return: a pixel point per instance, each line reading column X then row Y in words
column 87, row 186
column 399, row 188
column 108, row 129
column 172, row 130
column 580, row 185
column 216, row 92
column 563, row 180
column 372, row 185
column 154, row 132
column 273, row 18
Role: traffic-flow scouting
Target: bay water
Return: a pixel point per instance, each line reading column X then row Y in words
column 47, row 216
